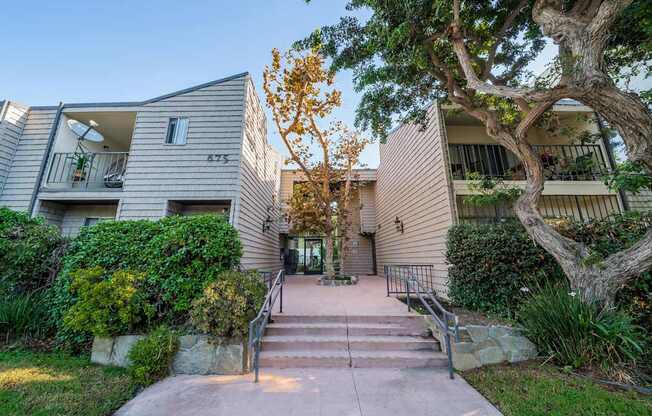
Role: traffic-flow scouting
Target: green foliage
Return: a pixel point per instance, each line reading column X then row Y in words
column 107, row 306
column 630, row 177
column 491, row 264
column 152, row 356
column 30, row 252
column 23, row 316
column 176, row 255
column 187, row 253
column 489, row 191
column 536, row 389
column 229, row 304
column 579, row 334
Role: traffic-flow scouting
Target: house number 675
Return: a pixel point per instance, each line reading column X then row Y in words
column 217, row 158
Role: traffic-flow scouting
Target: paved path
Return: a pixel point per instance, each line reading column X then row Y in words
column 302, row 296
column 308, row 392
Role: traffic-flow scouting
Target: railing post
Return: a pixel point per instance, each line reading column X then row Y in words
column 447, row 337
column 385, row 270
column 407, row 291
column 282, row 281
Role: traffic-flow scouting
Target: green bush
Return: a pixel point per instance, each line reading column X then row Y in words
column 107, row 306
column 23, row 316
column 152, row 356
column 489, row 264
column 178, row 256
column 30, row 252
column 576, row 333
column 229, row 304
column 187, row 253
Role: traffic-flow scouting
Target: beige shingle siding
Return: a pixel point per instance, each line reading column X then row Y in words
column 75, row 216
column 26, row 164
column 260, row 190
column 157, row 172
column 12, row 121
column 412, row 185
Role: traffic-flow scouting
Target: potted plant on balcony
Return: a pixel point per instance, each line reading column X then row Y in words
column 79, row 174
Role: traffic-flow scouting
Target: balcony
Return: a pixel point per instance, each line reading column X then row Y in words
column 560, row 162
column 88, row 171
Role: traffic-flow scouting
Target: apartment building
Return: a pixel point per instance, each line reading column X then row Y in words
column 204, row 149
column 201, row 149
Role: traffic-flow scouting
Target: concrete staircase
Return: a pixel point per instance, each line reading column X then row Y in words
column 295, row 341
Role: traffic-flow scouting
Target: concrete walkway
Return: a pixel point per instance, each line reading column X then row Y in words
column 302, row 296
column 308, row 392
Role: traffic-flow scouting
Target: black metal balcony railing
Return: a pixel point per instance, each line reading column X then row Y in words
column 88, row 170
column 560, row 162
column 572, row 207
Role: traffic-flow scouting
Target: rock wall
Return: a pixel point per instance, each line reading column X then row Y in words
column 198, row 354
column 481, row 345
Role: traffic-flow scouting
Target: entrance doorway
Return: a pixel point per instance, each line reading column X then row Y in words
column 304, row 255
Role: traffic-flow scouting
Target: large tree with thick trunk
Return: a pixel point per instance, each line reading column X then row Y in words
column 475, row 54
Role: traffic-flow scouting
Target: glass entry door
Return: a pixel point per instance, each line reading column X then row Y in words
column 313, row 256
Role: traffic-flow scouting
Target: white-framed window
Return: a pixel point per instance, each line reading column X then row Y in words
column 177, row 131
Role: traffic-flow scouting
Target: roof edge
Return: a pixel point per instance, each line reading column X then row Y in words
column 140, row 103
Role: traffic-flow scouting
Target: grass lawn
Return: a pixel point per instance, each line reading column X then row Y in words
column 43, row 384
column 531, row 389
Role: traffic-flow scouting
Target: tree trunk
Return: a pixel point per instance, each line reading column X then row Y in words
column 329, row 269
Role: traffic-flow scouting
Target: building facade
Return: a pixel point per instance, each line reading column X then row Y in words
column 204, row 150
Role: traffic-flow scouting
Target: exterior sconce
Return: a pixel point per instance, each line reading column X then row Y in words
column 267, row 223
column 399, row 225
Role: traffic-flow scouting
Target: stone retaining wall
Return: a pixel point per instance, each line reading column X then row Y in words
column 198, row 354
column 481, row 345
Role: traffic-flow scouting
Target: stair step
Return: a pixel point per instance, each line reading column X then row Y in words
column 358, row 359
column 376, row 319
column 373, row 343
column 341, row 329
column 398, row 359
column 304, row 359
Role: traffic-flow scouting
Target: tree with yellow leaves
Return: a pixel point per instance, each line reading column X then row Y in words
column 301, row 96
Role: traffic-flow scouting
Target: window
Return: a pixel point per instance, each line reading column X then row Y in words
column 91, row 221
column 177, row 131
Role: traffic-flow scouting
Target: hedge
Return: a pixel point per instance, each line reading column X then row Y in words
column 30, row 253
column 489, row 264
column 176, row 255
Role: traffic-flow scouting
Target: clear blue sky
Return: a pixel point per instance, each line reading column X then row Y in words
column 119, row 50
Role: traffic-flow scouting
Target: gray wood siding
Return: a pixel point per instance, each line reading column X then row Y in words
column 75, row 216
column 640, row 202
column 12, row 123
column 412, row 185
column 259, row 190
column 30, row 151
column 358, row 259
column 368, row 208
column 157, row 172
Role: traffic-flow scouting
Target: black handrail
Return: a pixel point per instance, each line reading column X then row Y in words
column 413, row 285
column 259, row 323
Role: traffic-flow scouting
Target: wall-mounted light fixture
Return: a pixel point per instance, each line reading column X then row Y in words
column 399, row 224
column 267, row 222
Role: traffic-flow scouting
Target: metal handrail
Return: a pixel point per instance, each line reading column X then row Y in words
column 444, row 323
column 259, row 323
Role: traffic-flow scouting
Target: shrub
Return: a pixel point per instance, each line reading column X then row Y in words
column 23, row 315
column 152, row 356
column 187, row 253
column 30, row 252
column 491, row 263
column 107, row 306
column 229, row 304
column 176, row 256
column 576, row 333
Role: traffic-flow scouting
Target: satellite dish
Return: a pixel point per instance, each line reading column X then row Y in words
column 85, row 132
